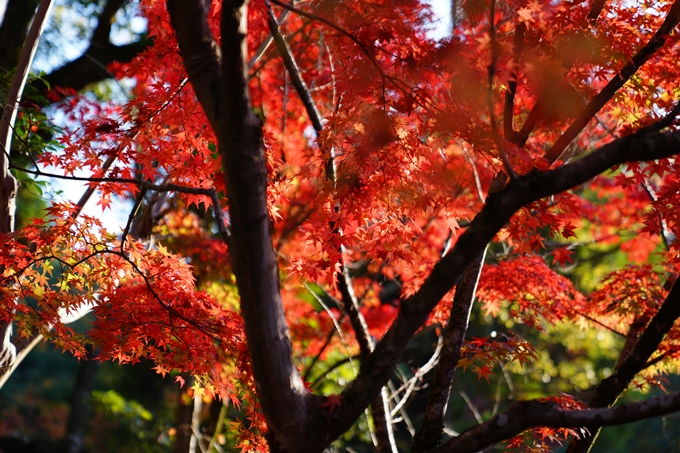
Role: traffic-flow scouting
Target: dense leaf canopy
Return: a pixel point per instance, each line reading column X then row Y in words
column 332, row 185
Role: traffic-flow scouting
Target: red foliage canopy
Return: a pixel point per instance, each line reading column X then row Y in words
column 542, row 128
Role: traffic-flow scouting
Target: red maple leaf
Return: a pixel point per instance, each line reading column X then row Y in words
column 561, row 256
column 332, row 402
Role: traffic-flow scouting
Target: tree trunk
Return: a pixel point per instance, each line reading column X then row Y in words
column 79, row 415
column 8, row 184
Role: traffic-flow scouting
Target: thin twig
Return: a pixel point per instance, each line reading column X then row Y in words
column 266, row 43
column 422, row 371
column 489, row 97
column 666, row 233
column 508, row 112
column 144, row 186
column 320, row 300
column 384, row 438
column 472, row 407
column 131, row 217
column 329, row 337
column 400, row 85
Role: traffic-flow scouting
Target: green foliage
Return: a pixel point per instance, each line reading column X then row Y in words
column 115, row 406
column 127, row 424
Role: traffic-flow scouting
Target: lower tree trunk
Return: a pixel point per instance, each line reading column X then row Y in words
column 79, row 415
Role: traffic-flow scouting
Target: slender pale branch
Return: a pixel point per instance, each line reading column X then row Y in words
column 410, row 385
column 379, row 407
column 365, row 49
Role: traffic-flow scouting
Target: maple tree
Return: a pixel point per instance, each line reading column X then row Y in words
column 288, row 164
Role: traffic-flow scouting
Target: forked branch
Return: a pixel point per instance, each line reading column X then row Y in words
column 379, row 407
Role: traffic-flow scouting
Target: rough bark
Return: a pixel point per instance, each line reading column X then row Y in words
column 184, row 416
column 293, row 415
column 280, row 387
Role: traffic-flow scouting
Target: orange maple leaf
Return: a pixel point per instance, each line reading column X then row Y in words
column 483, row 372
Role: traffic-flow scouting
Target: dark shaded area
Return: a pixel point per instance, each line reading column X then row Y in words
column 13, row 31
column 90, row 67
column 53, row 403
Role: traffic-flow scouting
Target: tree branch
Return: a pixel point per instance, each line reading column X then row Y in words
column 293, row 71
column 536, row 113
column 601, row 98
column 13, row 31
column 365, row 49
column 100, row 36
column 90, row 67
column 222, row 89
column 508, row 110
column 199, row 53
column 609, row 389
column 432, row 429
column 489, row 96
column 528, row 414
column 224, row 95
column 499, row 207
column 380, row 405
column 596, row 9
